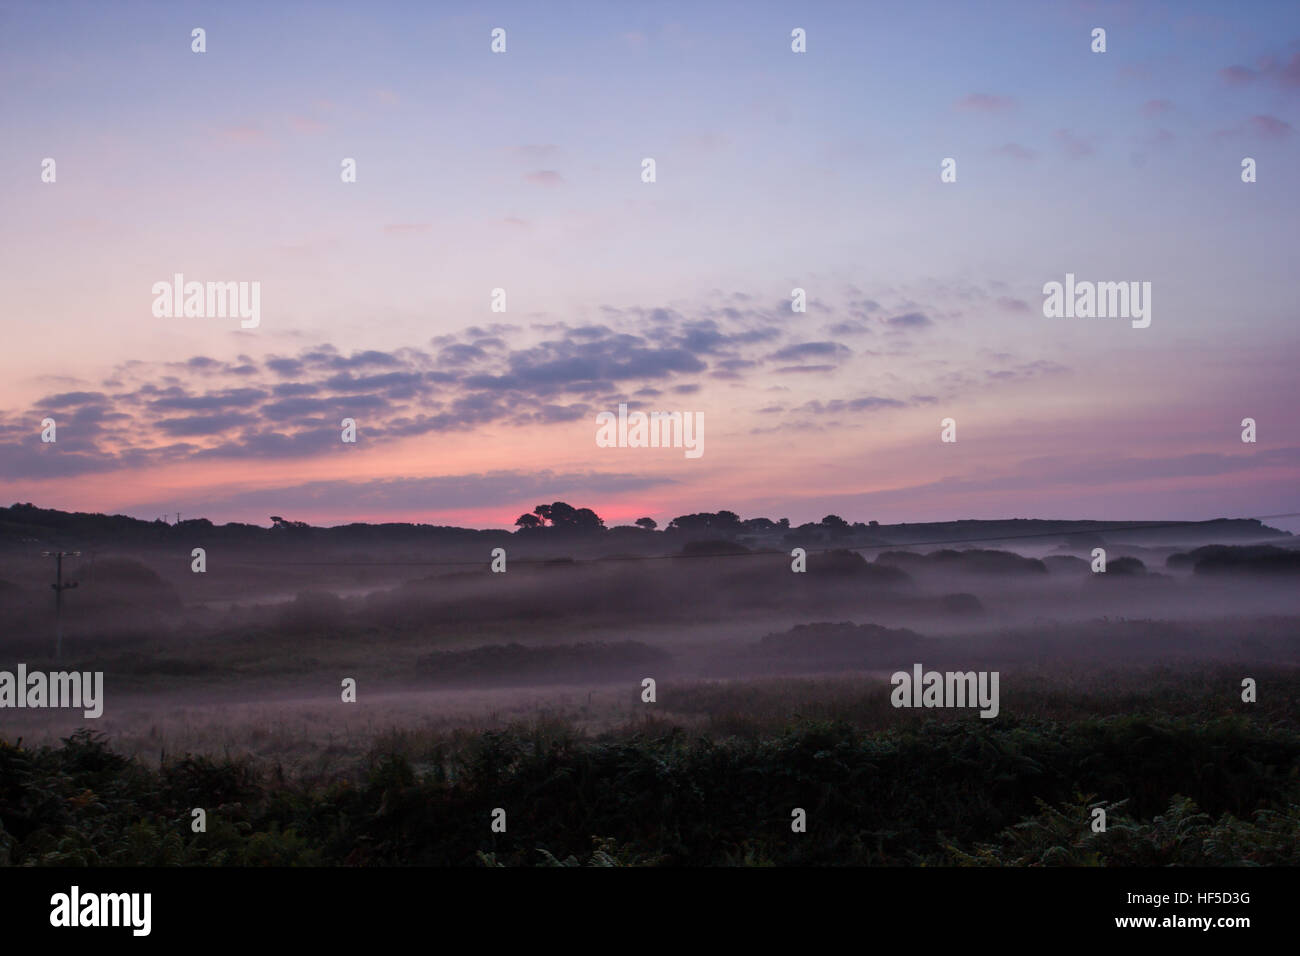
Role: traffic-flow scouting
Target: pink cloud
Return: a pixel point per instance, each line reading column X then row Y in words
column 1269, row 127
column 1016, row 151
column 1237, row 75
column 1259, row 126
column 305, row 124
column 244, row 135
column 1267, row 67
column 985, row 103
column 544, row 177
column 534, row 151
column 1289, row 75
column 1074, row 146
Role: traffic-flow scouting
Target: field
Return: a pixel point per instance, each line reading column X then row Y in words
column 713, row 779
column 520, row 699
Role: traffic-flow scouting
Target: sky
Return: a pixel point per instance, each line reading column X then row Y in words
column 522, row 170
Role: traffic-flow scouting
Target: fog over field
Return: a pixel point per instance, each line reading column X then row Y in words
column 966, row 693
column 250, row 653
column 686, row 434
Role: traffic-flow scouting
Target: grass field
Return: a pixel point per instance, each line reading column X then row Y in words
column 1185, row 772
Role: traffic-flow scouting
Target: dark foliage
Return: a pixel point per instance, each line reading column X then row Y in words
column 1187, row 790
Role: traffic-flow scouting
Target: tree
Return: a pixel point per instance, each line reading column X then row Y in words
column 564, row 517
column 584, row 519
column 727, row 521
column 722, row 523
column 528, row 521
column 282, row 524
column 648, row 523
column 561, row 514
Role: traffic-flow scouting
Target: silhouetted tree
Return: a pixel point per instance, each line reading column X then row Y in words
column 723, row 522
column 282, row 524
column 584, row 519
column 564, row 517
column 648, row 523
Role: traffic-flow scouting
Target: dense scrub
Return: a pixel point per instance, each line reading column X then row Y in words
column 1205, row 788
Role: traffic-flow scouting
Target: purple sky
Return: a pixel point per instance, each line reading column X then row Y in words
column 775, row 170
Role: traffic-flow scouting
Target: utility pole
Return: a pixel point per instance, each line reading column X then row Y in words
column 59, row 586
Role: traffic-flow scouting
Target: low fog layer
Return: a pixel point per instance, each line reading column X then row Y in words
column 431, row 633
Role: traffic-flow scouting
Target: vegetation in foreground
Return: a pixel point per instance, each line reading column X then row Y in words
column 1185, row 781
